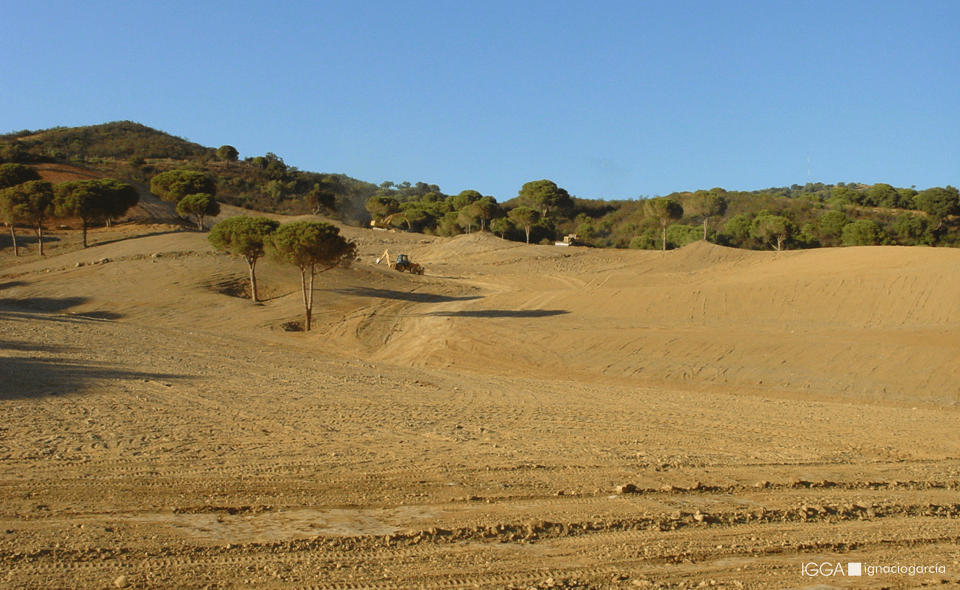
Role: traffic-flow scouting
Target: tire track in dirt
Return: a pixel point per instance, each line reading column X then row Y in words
column 637, row 553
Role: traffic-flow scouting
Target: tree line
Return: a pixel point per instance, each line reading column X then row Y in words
column 27, row 199
column 798, row 216
column 432, row 212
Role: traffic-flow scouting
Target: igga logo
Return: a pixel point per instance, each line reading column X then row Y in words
column 829, row 569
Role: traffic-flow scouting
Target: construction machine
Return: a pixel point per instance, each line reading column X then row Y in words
column 570, row 240
column 384, row 224
column 401, row 264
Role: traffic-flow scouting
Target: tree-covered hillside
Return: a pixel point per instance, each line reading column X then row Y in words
column 131, row 151
column 812, row 215
column 123, row 140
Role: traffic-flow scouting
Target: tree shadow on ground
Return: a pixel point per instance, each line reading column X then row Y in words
column 404, row 295
column 11, row 285
column 43, row 304
column 30, row 369
column 499, row 313
column 26, row 241
column 47, row 372
column 49, row 305
column 113, row 240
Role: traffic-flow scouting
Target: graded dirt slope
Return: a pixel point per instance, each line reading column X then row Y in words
column 470, row 427
column 876, row 323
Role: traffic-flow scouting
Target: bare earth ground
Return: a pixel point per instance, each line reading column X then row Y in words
column 470, row 428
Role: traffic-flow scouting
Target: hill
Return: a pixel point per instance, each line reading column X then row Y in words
column 135, row 153
column 817, row 215
column 121, row 140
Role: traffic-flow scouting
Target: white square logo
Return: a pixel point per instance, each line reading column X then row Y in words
column 854, row 569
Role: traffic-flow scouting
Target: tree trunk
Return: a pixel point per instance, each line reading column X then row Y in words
column 779, row 243
column 84, row 221
column 253, row 279
column 13, row 234
column 306, row 285
column 310, row 299
column 664, row 236
column 303, row 296
column 40, row 237
column 705, row 228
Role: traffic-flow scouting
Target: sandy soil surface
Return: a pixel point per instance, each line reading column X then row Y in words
column 520, row 416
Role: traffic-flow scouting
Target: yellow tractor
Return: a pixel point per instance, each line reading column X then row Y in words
column 384, row 224
column 404, row 263
column 401, row 264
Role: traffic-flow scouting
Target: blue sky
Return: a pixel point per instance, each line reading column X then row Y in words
column 610, row 100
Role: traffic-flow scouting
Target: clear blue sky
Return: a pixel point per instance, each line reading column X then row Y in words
column 610, row 100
